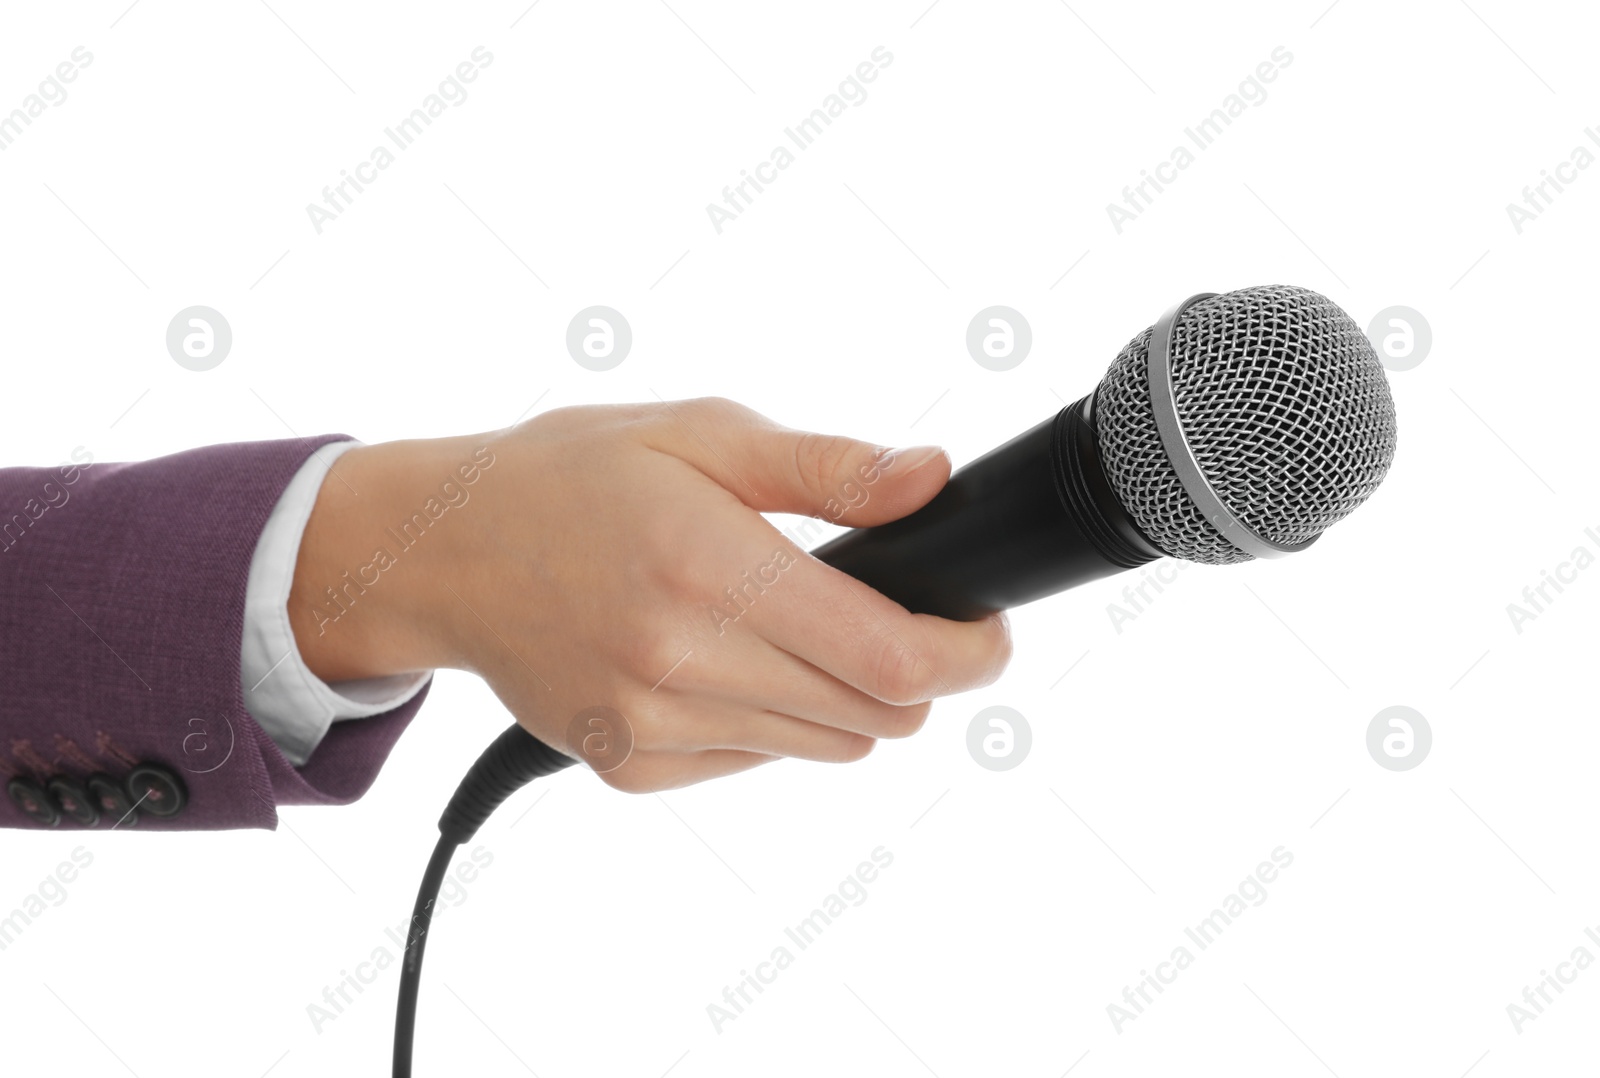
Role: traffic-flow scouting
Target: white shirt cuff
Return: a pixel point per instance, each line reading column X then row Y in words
column 293, row 705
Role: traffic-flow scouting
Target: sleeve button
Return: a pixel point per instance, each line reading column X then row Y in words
column 73, row 800
column 110, row 799
column 156, row 790
column 30, row 797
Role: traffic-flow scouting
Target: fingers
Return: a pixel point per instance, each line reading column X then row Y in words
column 873, row 644
column 652, row 772
column 773, row 469
column 818, row 614
column 833, row 622
column 752, row 673
column 723, row 739
column 690, row 722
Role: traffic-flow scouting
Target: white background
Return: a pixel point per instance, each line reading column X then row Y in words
column 1227, row 720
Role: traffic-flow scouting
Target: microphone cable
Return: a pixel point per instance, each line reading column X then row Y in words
column 511, row 761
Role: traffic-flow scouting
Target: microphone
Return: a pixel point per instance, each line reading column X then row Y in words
column 1239, row 426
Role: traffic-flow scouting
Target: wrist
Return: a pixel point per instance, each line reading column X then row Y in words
column 365, row 597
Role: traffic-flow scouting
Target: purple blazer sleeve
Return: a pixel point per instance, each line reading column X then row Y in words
column 122, row 590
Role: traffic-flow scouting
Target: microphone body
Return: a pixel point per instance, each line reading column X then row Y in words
column 1031, row 518
column 1238, row 426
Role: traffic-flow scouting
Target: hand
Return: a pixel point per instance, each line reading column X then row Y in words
column 617, row 557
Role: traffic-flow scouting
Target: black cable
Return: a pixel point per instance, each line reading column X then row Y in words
column 416, row 938
column 513, row 760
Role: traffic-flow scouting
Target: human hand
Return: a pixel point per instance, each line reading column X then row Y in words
column 616, row 557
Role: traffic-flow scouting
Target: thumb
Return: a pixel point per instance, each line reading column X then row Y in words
column 842, row 480
column 774, row 469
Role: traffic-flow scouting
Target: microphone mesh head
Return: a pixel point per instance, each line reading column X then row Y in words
column 1285, row 405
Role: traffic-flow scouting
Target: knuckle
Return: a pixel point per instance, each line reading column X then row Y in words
column 631, row 778
column 820, row 458
column 667, row 418
column 564, row 417
column 716, row 408
column 650, row 655
column 1001, row 647
column 900, row 676
column 685, row 568
column 906, row 721
column 854, row 748
column 649, row 722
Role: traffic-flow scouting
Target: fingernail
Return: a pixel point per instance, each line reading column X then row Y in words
column 906, row 461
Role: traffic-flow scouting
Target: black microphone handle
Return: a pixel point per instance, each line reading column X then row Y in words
column 1034, row 517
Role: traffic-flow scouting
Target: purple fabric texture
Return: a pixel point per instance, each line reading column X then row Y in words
column 122, row 590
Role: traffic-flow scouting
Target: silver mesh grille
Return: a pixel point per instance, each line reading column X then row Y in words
column 1285, row 405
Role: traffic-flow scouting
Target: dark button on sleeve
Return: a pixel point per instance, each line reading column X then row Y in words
column 73, row 800
column 108, row 795
column 156, row 790
column 30, row 797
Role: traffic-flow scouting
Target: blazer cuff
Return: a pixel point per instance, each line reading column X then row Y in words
column 288, row 701
column 122, row 604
